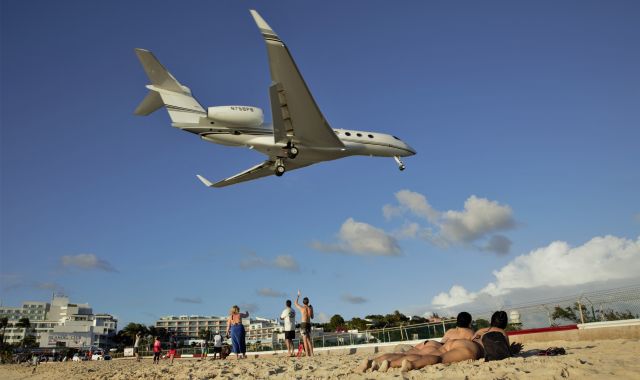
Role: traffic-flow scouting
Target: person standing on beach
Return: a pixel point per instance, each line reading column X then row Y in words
column 289, row 317
column 235, row 328
column 157, row 349
column 173, row 346
column 305, row 325
column 217, row 345
column 136, row 345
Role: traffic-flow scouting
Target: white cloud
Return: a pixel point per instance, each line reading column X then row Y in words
column 86, row 261
column 602, row 259
column 353, row 299
column 361, row 239
column 285, row 262
column 498, row 244
column 457, row 295
column 268, row 292
column 415, row 203
column 480, row 217
column 479, row 220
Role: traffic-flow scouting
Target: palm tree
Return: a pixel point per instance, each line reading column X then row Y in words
column 4, row 322
column 133, row 328
column 25, row 324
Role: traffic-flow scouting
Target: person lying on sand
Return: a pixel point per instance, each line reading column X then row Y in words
column 462, row 331
column 483, row 344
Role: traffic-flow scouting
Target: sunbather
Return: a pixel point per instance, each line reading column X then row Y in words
column 461, row 349
column 429, row 348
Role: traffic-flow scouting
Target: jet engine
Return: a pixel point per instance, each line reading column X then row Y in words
column 246, row 116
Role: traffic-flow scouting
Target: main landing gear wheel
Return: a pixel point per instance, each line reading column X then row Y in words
column 293, row 152
column 280, row 170
column 400, row 163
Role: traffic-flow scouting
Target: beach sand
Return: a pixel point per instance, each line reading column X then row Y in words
column 602, row 359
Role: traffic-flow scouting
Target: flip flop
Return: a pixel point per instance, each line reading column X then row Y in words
column 552, row 351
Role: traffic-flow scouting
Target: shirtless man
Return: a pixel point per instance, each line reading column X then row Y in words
column 460, row 350
column 305, row 324
column 428, row 350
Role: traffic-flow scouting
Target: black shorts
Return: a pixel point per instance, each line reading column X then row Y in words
column 290, row 335
column 217, row 350
column 135, row 350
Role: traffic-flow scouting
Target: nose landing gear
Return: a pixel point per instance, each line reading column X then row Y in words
column 400, row 163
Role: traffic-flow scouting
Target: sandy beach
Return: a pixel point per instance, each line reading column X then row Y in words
column 584, row 359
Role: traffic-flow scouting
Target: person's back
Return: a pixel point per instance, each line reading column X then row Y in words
column 289, row 317
column 462, row 330
column 217, row 340
column 493, row 339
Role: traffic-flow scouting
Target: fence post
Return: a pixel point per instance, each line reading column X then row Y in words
column 580, row 309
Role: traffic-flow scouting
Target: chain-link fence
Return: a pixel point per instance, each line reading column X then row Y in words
column 595, row 306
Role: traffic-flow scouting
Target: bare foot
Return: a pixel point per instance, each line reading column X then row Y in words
column 406, row 366
column 384, row 367
column 364, row 366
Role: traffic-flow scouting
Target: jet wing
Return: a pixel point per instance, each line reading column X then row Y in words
column 296, row 115
column 261, row 170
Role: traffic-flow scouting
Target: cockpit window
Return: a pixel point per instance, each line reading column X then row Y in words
column 396, row 138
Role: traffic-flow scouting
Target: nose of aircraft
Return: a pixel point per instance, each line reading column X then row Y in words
column 410, row 149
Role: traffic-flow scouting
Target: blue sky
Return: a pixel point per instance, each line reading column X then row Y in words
column 525, row 117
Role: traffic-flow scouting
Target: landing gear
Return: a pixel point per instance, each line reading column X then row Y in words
column 291, row 150
column 400, row 163
column 280, row 169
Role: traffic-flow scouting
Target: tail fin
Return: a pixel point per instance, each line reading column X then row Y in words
column 166, row 90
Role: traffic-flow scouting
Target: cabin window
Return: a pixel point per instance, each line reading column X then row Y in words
column 370, row 136
column 348, row 133
column 359, row 134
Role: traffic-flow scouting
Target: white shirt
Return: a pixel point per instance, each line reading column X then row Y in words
column 217, row 340
column 289, row 316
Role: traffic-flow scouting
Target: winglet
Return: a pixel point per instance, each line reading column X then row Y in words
column 265, row 29
column 205, row 181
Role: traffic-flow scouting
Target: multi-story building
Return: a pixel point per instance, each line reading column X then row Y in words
column 190, row 326
column 59, row 323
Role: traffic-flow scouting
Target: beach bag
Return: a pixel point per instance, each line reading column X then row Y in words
column 495, row 346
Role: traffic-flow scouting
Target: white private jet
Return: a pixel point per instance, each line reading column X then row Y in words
column 300, row 135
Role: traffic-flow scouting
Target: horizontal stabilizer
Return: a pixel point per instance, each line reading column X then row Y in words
column 150, row 103
column 263, row 169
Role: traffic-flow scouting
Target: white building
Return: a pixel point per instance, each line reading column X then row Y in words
column 61, row 324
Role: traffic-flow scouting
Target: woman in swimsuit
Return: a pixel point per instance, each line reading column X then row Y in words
column 461, row 349
column 428, row 351
column 235, row 328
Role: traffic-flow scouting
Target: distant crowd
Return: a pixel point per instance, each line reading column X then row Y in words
column 236, row 332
